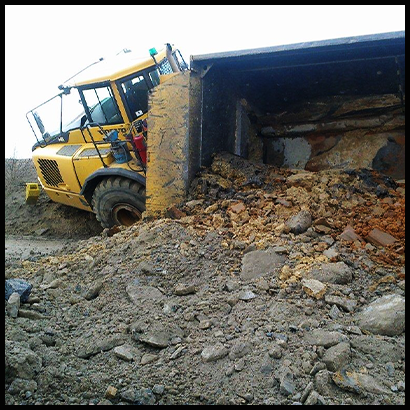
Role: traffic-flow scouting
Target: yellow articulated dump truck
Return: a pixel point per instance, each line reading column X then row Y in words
column 91, row 137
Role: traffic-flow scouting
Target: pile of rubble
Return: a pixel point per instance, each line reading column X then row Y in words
column 259, row 204
column 269, row 286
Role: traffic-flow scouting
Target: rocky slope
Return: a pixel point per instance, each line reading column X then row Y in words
column 268, row 286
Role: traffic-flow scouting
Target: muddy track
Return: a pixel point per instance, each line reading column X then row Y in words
column 18, row 248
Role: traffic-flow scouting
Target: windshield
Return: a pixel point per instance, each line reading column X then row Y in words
column 61, row 113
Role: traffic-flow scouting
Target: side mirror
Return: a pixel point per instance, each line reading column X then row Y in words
column 65, row 90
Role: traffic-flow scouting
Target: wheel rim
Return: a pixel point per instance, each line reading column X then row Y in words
column 126, row 214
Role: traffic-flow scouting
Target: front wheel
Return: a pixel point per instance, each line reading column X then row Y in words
column 118, row 201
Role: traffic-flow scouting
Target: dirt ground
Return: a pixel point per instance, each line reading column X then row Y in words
column 41, row 228
column 268, row 286
column 45, row 218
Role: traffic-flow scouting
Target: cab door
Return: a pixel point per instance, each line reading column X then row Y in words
column 104, row 112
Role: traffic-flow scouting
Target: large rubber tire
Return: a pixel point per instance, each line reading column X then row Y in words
column 118, row 201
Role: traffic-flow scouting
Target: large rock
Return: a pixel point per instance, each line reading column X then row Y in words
column 22, row 287
column 94, row 290
column 13, row 305
column 350, row 235
column 384, row 316
column 20, row 362
column 287, row 386
column 124, row 352
column 90, row 347
column 337, row 356
column 323, row 383
column 260, row 262
column 346, row 304
column 160, row 335
column 337, row 273
column 313, row 288
column 182, row 289
column 380, row 238
column 383, row 351
column 138, row 396
column 299, row 223
column 240, row 349
column 320, row 337
column 140, row 294
column 156, row 338
column 359, row 383
column 19, row 386
column 213, row 353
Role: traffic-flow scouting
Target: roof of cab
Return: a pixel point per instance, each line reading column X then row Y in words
column 113, row 68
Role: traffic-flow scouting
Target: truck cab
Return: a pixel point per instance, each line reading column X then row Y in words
column 91, row 136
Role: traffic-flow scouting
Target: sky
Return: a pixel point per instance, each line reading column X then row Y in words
column 47, row 44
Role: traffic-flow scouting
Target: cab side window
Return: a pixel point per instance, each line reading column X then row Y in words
column 136, row 94
column 102, row 106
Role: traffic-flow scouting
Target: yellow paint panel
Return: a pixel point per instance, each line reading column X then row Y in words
column 70, row 199
column 116, row 67
column 55, row 170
